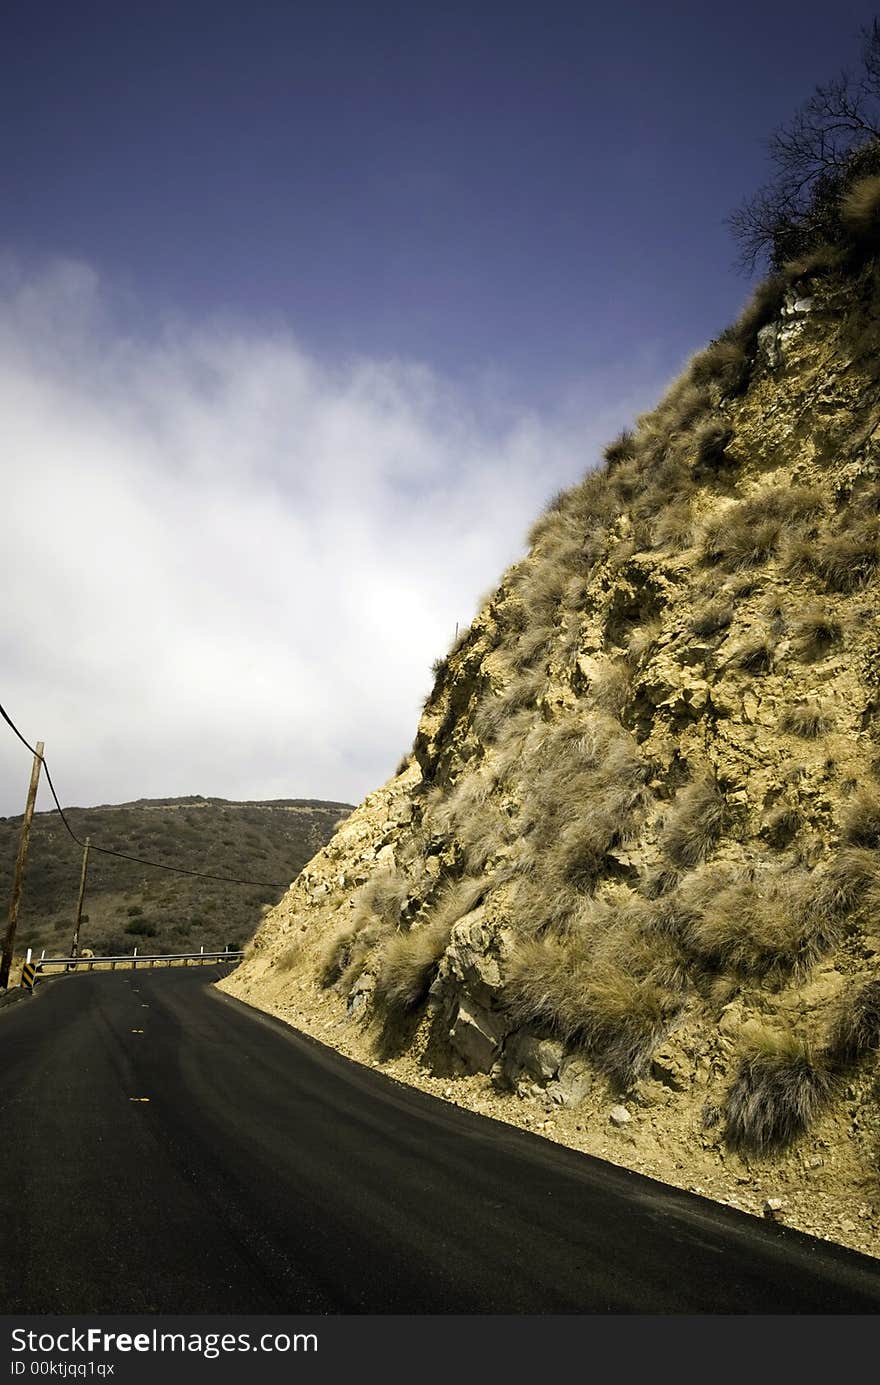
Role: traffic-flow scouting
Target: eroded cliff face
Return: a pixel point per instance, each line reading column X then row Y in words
column 624, row 890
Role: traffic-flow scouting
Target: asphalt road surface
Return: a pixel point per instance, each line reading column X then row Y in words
column 166, row 1149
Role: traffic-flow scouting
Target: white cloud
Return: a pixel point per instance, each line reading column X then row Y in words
column 227, row 565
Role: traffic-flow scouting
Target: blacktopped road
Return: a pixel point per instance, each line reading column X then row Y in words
column 166, row 1149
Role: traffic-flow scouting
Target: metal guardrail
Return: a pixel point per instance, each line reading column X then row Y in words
column 32, row 968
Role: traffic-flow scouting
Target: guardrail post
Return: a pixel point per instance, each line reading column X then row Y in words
column 134, row 960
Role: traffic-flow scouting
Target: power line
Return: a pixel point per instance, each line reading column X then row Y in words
column 123, row 855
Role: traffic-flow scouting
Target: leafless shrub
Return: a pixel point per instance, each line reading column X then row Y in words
column 779, row 1090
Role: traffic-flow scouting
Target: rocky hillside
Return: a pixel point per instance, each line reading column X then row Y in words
column 624, row 890
column 128, row 905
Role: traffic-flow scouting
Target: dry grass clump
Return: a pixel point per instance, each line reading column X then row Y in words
column 674, row 526
column 713, row 617
column 861, row 820
column 457, row 898
column 578, row 857
column 383, row 897
column 623, row 449
column 482, row 835
column 542, row 591
column 860, row 209
column 642, row 640
column 763, row 307
column 855, row 1031
column 711, row 442
column 723, row 362
column 783, row 825
column 849, row 886
column 347, row 951
column 585, row 794
column 694, row 824
column 807, row 719
column 847, row 561
column 409, row 961
column 617, row 1018
column 814, row 263
column 408, row 966
column 378, row 907
column 497, row 709
column 757, row 653
column 531, row 649
column 779, row 1090
column 749, row 533
column 685, row 403
column 290, row 957
column 816, row 631
column 612, row 688
column 447, row 809
column 758, row 927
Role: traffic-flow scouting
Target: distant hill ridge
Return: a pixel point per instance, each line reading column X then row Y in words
column 127, row 904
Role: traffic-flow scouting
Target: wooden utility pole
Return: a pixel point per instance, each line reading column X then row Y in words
column 74, row 946
column 20, row 863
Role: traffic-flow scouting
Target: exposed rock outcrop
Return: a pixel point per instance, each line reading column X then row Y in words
column 636, row 848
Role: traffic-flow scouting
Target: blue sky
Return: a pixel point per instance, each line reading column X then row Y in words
column 285, row 287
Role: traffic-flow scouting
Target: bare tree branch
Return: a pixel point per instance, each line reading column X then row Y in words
column 811, row 156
